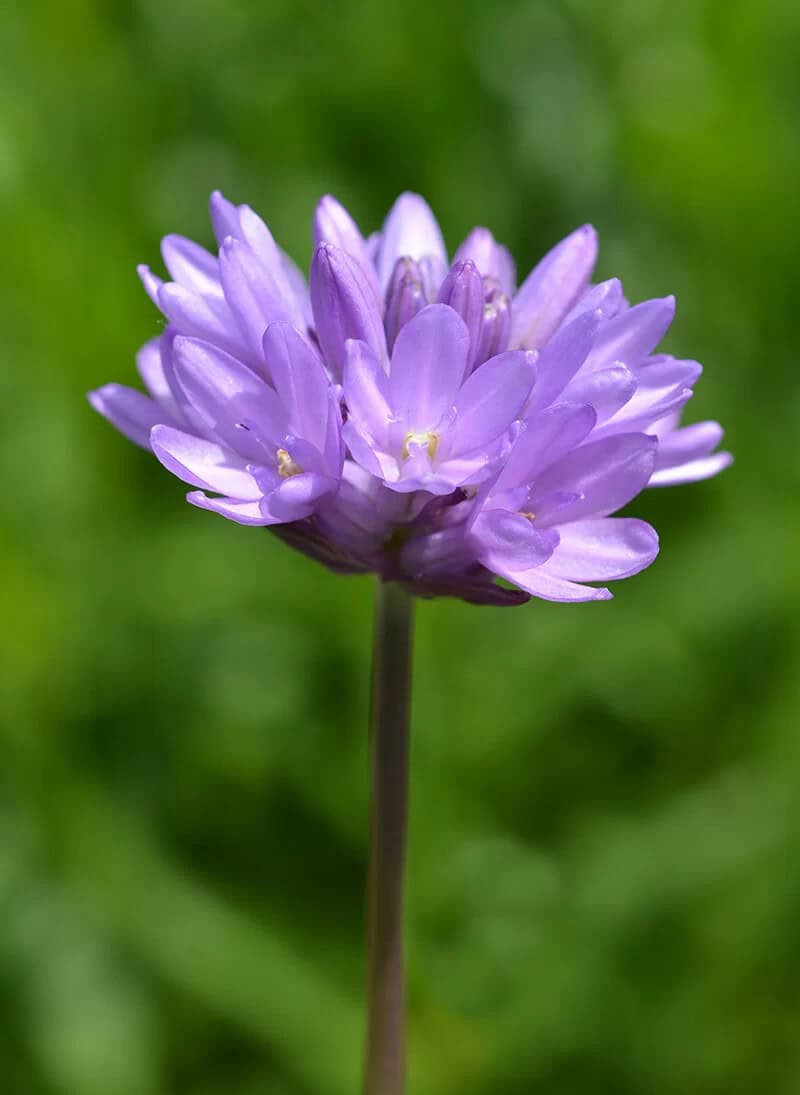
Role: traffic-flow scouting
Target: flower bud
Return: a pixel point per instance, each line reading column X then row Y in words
column 496, row 326
column 344, row 305
column 492, row 259
column 405, row 296
column 463, row 290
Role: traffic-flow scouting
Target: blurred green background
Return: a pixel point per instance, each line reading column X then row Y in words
column 604, row 891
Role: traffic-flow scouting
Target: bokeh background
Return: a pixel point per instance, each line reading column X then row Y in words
column 604, row 891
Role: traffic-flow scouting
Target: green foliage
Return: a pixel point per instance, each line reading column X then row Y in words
column 603, row 893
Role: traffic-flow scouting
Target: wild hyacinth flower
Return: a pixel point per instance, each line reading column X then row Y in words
column 422, row 419
column 310, row 408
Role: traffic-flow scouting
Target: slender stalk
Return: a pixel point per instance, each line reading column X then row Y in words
column 391, row 694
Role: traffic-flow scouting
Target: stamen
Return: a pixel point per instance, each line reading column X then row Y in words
column 527, row 515
column 286, row 466
column 429, row 440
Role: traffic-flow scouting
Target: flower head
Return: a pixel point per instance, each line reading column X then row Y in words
column 424, row 420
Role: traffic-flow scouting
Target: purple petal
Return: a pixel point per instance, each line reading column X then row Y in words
column 409, row 230
column 243, row 513
column 632, row 335
column 561, row 358
column 428, row 365
column 546, row 438
column 297, row 497
column 203, row 463
column 152, row 284
column 607, row 390
column 489, row 401
column 300, row 381
column 191, row 265
column 333, row 224
column 366, row 392
column 541, row 583
column 491, row 258
column 606, row 297
column 689, row 443
column 603, row 549
column 234, row 403
column 693, row 471
column 509, row 541
column 552, row 288
column 133, row 413
column 345, row 306
column 150, row 365
column 192, row 314
column 251, row 293
column 368, row 455
column 606, row 474
column 224, row 217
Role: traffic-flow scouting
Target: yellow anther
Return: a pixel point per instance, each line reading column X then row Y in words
column 527, row 515
column 286, row 466
column 428, row 440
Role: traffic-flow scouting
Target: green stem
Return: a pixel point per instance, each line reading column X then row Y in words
column 391, row 694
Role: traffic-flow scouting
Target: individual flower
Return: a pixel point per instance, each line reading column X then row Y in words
column 416, row 417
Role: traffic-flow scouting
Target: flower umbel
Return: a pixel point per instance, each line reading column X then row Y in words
column 423, row 420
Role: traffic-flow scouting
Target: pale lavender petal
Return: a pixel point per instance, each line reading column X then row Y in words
column 606, row 474
column 689, row 443
column 298, row 289
column 300, row 381
column 133, row 413
column 333, row 224
column 297, row 497
column 203, row 463
column 552, row 288
column 509, row 541
column 243, row 513
column 151, row 282
column 251, row 293
column 542, row 583
column 428, row 365
column 606, row 298
column 224, row 217
column 192, row 314
column 607, row 390
column 191, row 265
column 561, row 358
column 647, row 413
column 491, row 258
column 234, row 403
column 409, row 230
column 547, row 436
column 433, row 270
column 491, row 398
column 604, row 549
column 368, row 455
column 632, row 335
column 345, row 306
column 150, row 365
column 693, row 471
column 366, row 392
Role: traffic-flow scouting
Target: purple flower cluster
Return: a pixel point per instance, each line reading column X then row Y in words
column 421, row 419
